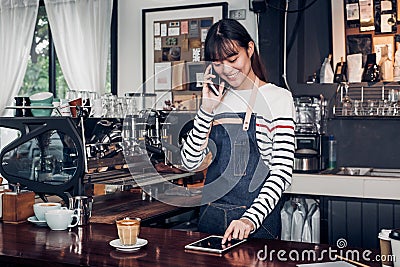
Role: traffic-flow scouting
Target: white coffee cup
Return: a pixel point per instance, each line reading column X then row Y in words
column 65, row 109
column 61, row 219
column 41, row 208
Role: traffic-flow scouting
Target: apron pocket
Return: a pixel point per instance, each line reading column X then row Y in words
column 240, row 157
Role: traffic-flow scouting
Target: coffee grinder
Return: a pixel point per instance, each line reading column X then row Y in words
column 309, row 156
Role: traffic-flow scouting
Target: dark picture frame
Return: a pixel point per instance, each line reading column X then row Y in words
column 195, row 71
column 217, row 11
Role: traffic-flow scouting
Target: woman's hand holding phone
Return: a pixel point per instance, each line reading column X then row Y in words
column 212, row 92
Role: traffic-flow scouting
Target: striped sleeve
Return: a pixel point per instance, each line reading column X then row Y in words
column 275, row 139
column 194, row 149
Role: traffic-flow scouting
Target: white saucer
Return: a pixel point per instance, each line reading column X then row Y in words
column 116, row 243
column 35, row 220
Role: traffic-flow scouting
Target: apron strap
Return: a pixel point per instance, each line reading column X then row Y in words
column 247, row 117
column 250, row 105
column 227, row 121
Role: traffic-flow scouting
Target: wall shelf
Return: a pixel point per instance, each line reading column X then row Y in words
column 359, row 100
column 362, row 118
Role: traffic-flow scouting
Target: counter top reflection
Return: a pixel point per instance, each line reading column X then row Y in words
column 27, row 244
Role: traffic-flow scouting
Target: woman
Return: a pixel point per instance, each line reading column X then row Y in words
column 249, row 130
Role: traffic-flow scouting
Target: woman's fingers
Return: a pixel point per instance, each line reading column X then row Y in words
column 221, row 89
column 228, row 233
column 237, row 229
column 237, row 232
column 207, row 74
column 208, row 68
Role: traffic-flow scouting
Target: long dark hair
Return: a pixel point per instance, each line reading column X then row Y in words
column 222, row 39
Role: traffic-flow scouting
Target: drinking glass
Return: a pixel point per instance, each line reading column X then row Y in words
column 85, row 98
column 121, row 107
column 358, row 109
column 380, row 110
column 109, row 105
column 347, row 109
column 393, row 95
column 372, row 111
column 93, row 95
column 71, row 95
column 131, row 106
column 395, row 109
column 106, row 103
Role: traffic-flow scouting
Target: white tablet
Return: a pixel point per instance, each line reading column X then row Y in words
column 213, row 244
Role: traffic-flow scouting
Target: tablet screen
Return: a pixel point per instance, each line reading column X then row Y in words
column 213, row 244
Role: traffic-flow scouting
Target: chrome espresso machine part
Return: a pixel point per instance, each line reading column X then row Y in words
column 308, row 114
column 46, row 157
column 307, row 155
column 309, row 134
column 148, row 130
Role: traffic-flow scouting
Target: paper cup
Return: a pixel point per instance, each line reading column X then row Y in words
column 73, row 104
column 395, row 244
column 386, row 248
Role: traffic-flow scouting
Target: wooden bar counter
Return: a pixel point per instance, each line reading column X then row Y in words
column 27, row 244
column 108, row 208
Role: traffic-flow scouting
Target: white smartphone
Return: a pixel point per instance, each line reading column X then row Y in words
column 213, row 244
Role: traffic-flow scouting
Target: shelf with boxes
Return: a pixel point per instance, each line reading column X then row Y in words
column 371, row 40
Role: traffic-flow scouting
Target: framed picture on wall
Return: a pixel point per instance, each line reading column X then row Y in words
column 162, row 76
column 153, row 30
column 195, row 75
column 383, row 41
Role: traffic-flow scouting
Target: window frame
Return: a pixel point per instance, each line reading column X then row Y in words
column 114, row 54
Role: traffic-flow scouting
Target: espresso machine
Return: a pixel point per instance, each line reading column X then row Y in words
column 46, row 157
column 310, row 154
column 55, row 155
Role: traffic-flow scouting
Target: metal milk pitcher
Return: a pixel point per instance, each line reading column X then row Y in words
column 83, row 206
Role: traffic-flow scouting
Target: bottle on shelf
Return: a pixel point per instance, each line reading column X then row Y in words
column 332, row 152
column 326, row 73
column 340, row 72
column 371, row 70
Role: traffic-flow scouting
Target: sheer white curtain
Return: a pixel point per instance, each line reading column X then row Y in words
column 17, row 24
column 81, row 32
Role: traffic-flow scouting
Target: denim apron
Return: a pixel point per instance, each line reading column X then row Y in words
column 234, row 178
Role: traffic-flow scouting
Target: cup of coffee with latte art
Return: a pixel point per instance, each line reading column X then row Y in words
column 128, row 230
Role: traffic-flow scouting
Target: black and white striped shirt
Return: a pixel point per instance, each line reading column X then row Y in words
column 275, row 115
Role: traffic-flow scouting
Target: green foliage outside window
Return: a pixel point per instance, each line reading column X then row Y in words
column 37, row 73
